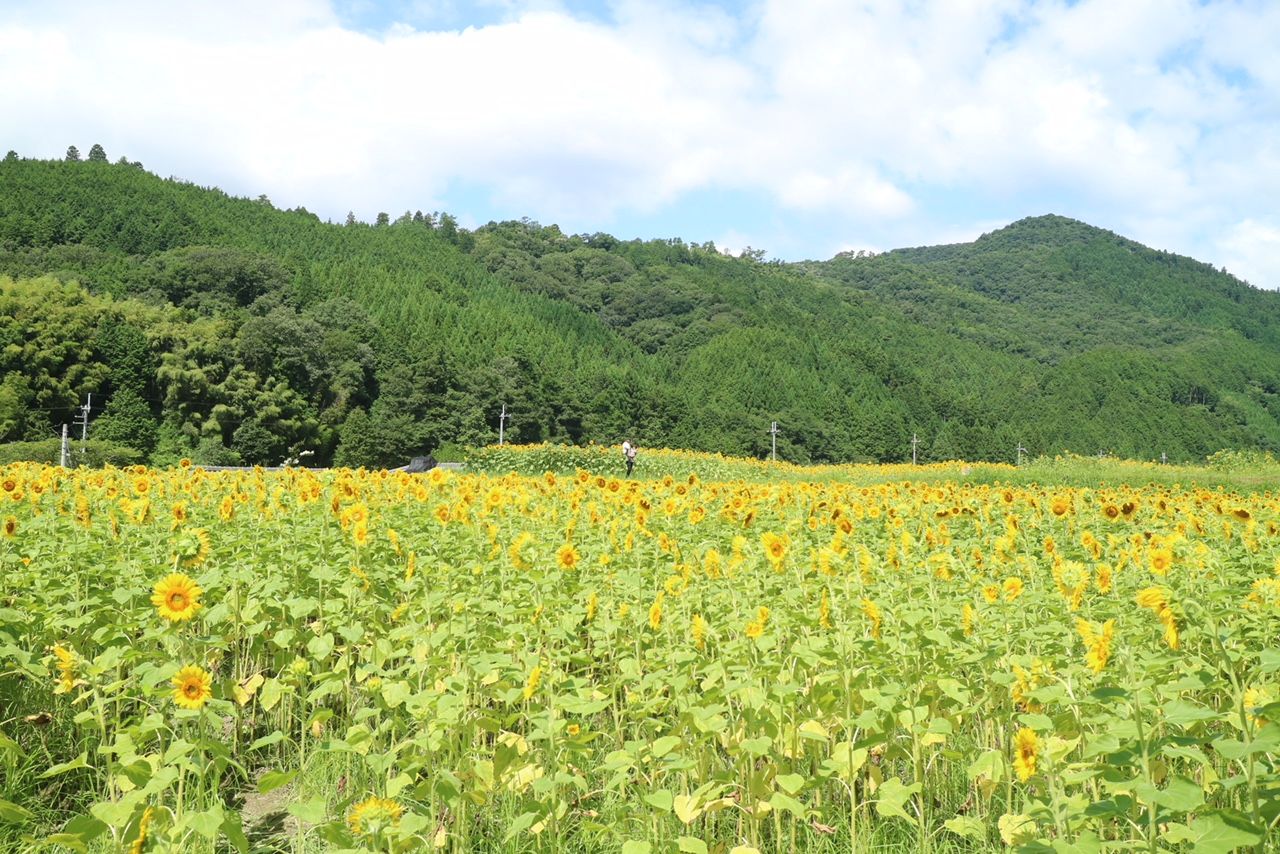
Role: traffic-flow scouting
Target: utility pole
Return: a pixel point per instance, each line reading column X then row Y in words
column 1163, row 459
column 1021, row 451
column 66, row 453
column 502, row 423
column 773, row 431
column 84, row 423
column 914, row 443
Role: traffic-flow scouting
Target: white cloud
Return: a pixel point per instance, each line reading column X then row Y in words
column 887, row 120
column 1251, row 250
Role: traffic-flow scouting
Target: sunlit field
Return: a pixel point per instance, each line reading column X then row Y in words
column 720, row 655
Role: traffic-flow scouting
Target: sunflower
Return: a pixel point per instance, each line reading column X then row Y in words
column 144, row 826
column 1161, row 559
column 1026, row 747
column 872, row 613
column 372, row 815
column 177, row 597
column 66, row 669
column 191, row 687
column 192, row 547
column 1157, row 600
column 531, row 684
column 141, row 485
column 10, row 525
column 1254, row 699
column 567, row 556
column 655, row 611
column 1097, row 642
column 1012, row 588
column 698, row 631
column 775, row 547
column 1104, row 577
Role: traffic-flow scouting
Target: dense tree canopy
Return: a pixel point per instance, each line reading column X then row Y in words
column 225, row 329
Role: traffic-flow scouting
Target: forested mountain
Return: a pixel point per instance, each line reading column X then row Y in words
column 225, row 329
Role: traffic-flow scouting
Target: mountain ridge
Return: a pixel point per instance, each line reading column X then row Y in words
column 1047, row 332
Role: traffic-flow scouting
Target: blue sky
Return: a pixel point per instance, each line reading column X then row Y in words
column 803, row 128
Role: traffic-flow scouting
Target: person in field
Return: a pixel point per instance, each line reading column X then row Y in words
column 629, row 454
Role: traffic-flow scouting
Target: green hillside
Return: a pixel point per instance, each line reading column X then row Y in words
column 225, row 329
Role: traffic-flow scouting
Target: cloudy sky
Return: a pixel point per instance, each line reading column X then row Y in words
column 801, row 127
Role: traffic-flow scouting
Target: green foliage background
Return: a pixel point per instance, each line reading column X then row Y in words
column 227, row 330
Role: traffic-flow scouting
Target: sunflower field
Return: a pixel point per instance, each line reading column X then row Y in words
column 379, row 661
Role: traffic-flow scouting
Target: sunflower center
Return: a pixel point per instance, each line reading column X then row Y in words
column 177, row 600
column 192, row 690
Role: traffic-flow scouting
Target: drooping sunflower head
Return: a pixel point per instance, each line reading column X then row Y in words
column 374, row 814
column 177, row 597
column 10, row 525
column 66, row 662
column 191, row 546
column 1155, row 598
column 192, row 687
